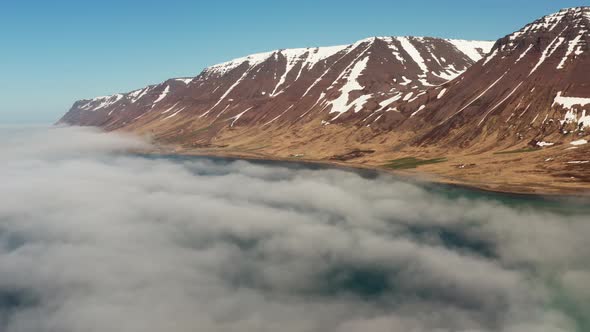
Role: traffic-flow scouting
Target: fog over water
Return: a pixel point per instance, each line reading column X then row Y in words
column 93, row 239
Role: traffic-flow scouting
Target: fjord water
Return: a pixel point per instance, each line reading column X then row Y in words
column 93, row 238
column 561, row 204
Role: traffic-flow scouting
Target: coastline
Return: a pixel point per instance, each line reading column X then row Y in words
column 413, row 175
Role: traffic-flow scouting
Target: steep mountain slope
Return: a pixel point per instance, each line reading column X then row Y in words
column 340, row 83
column 513, row 115
column 533, row 88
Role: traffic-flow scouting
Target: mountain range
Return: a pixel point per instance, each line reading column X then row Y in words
column 510, row 115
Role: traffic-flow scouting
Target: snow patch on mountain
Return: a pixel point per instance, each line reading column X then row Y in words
column 579, row 142
column 569, row 102
column 573, row 116
column 341, row 104
column 184, row 80
column 574, row 45
column 237, row 117
column 253, row 60
column 307, row 58
column 548, row 51
column 388, row 101
column 103, row 102
column 490, row 56
column 413, row 52
column 474, row 49
column 162, row 95
column 524, row 53
column 546, row 23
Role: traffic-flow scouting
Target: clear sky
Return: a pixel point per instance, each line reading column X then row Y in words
column 53, row 52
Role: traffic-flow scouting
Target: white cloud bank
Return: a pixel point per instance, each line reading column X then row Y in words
column 96, row 241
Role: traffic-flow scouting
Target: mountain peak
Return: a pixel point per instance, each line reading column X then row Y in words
column 548, row 23
column 336, row 82
column 574, row 10
column 377, row 96
column 532, row 87
column 474, row 50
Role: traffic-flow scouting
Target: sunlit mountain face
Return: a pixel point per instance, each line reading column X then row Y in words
column 511, row 115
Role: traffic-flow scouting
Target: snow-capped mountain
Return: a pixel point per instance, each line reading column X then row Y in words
column 475, row 109
column 533, row 87
column 325, row 84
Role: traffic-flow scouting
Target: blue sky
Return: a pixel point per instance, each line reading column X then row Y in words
column 54, row 52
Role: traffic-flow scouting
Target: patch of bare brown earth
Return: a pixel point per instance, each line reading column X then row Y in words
column 515, row 120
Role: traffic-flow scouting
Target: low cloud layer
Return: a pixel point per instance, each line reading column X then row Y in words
column 93, row 240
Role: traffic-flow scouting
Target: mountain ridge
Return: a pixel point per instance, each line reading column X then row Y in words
column 383, row 98
column 539, row 63
column 468, row 47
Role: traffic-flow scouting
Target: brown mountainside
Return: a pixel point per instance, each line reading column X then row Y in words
column 511, row 115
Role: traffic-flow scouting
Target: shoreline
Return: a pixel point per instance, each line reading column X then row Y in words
column 410, row 176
